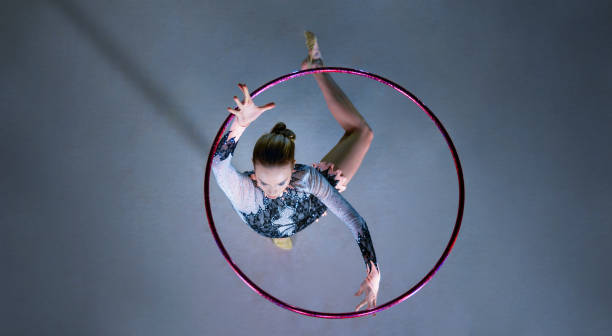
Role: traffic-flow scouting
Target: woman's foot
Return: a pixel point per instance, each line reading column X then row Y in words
column 313, row 60
column 284, row 243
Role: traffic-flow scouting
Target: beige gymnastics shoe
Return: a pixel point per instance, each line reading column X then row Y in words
column 313, row 60
column 284, row 243
column 312, row 45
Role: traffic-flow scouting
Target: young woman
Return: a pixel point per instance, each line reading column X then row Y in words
column 281, row 197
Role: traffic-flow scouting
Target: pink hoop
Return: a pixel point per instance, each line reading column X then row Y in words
column 400, row 298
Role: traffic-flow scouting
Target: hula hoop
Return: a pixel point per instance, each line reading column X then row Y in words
column 400, row 298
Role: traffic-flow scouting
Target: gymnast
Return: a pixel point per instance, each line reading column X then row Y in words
column 280, row 197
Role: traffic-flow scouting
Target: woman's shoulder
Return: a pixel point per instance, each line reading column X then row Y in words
column 299, row 176
column 301, row 170
column 250, row 174
column 300, row 167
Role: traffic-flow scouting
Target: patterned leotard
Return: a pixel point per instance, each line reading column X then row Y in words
column 312, row 194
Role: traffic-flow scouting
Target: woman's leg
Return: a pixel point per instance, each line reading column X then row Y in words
column 350, row 150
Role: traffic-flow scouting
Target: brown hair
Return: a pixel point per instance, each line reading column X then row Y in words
column 276, row 148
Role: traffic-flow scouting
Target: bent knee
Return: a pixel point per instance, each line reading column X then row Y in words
column 366, row 130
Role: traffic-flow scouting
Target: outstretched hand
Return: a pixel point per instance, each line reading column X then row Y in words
column 246, row 112
column 370, row 286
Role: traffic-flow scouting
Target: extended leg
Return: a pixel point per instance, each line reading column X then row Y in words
column 350, row 150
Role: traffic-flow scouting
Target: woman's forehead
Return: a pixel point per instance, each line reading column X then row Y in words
column 273, row 174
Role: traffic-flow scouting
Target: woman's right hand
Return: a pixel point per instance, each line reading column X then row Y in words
column 247, row 111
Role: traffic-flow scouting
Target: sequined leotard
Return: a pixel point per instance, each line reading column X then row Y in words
column 312, row 194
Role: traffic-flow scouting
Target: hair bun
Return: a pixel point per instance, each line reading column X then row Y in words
column 281, row 128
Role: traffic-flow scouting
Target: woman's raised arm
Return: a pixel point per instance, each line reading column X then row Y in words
column 229, row 179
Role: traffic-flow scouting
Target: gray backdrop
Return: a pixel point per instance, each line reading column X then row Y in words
column 109, row 110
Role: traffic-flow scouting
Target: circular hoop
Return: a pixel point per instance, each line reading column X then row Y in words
column 400, row 298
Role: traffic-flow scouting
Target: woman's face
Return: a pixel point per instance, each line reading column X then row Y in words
column 273, row 180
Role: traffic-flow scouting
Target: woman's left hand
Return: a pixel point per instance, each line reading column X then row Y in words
column 370, row 287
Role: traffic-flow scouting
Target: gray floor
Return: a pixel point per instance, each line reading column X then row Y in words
column 109, row 110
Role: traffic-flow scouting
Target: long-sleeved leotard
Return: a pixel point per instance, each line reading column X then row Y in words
column 312, row 194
